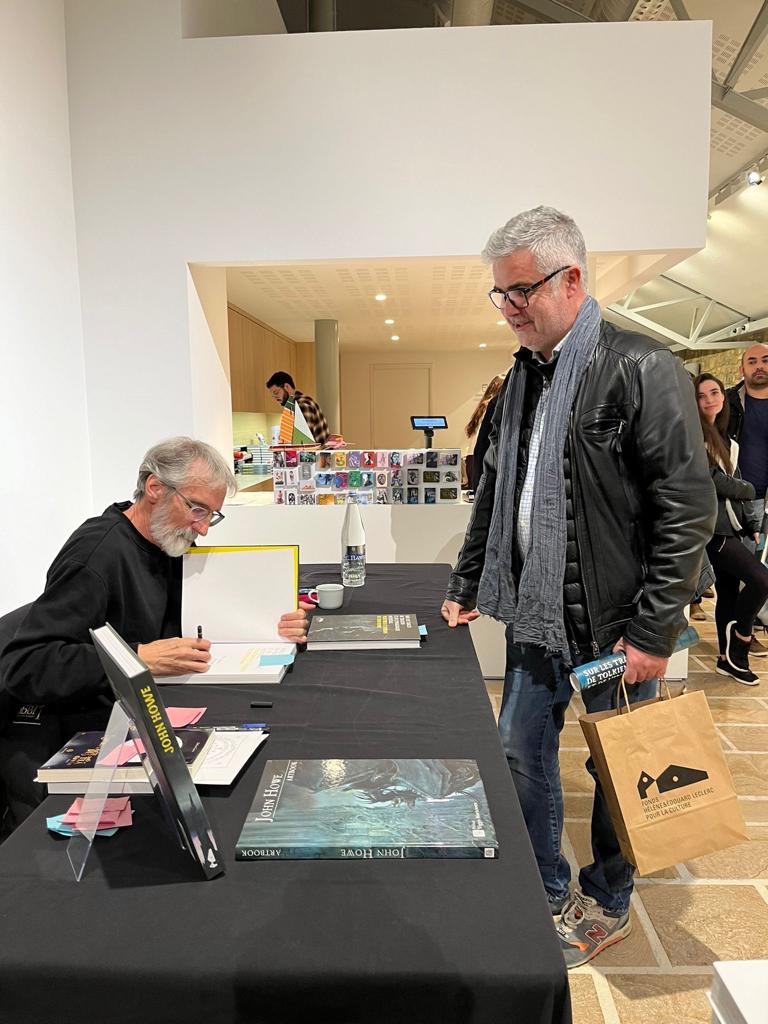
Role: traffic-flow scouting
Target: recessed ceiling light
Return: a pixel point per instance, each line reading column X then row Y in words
column 483, row 345
column 754, row 178
column 500, row 323
column 380, row 297
column 395, row 337
column 389, row 321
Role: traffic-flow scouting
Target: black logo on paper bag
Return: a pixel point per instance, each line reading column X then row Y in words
column 675, row 776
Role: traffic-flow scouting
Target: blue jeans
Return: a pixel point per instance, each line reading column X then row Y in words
column 536, row 694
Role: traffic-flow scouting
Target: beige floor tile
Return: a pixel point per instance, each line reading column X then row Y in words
column 750, row 773
column 746, row 710
column 699, row 924
column 754, row 810
column 572, row 736
column 723, row 686
column 586, row 1008
column 754, row 737
column 747, row 860
column 579, row 805
column 574, row 776
column 661, row 999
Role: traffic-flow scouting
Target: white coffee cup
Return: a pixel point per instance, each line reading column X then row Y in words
column 328, row 595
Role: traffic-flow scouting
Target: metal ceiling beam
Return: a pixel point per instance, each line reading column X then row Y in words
column 755, row 94
column 629, row 10
column 554, row 11
column 750, row 44
column 736, row 105
column 679, row 8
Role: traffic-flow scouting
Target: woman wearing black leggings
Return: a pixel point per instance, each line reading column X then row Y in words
column 735, row 608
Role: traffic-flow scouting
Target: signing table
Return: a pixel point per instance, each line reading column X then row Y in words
column 140, row 939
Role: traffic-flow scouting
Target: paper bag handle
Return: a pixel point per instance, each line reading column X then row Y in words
column 621, row 688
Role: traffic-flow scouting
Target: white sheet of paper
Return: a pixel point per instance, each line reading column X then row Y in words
column 243, row 659
column 227, row 755
column 237, row 594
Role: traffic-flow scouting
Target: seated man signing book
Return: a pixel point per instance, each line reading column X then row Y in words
column 123, row 567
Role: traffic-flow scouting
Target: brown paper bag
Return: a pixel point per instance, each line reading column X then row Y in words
column 666, row 783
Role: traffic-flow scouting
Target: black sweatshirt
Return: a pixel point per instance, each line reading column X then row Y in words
column 106, row 572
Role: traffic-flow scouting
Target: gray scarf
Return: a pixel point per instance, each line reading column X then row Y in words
column 535, row 609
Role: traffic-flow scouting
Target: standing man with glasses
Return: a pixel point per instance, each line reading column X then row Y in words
column 586, row 537
column 123, row 567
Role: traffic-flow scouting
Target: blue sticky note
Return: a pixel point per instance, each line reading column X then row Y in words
column 54, row 824
column 277, row 659
column 422, row 630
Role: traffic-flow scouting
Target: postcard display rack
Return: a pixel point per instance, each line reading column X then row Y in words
column 416, row 476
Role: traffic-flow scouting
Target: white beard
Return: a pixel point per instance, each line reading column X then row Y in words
column 170, row 539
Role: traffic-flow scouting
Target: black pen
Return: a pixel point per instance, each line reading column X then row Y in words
column 261, row 703
column 199, row 632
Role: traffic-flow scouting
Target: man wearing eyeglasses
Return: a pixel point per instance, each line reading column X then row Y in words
column 586, row 537
column 123, row 567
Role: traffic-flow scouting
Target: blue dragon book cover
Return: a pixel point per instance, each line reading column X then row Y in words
column 349, row 809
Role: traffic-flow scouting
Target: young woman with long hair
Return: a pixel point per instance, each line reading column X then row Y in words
column 735, row 608
column 482, row 417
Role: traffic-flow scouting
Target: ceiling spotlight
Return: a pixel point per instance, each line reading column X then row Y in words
column 483, row 345
column 389, row 321
column 500, row 323
column 380, row 297
column 395, row 337
column 754, row 178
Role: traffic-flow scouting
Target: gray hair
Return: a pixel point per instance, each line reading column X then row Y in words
column 171, row 462
column 552, row 237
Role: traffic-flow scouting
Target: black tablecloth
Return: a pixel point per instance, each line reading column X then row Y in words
column 140, row 939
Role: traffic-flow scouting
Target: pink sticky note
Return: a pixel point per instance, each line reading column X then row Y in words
column 129, row 751
column 116, row 812
column 181, row 717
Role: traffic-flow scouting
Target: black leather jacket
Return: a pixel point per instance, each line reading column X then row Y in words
column 642, row 502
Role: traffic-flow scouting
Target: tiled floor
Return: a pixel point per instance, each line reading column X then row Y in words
column 712, row 908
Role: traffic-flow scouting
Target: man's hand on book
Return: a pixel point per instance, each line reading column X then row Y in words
column 293, row 625
column 176, row 656
column 456, row 615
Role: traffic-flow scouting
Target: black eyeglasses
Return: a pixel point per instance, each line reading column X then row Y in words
column 518, row 297
column 198, row 513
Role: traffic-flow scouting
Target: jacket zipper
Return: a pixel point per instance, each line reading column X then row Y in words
column 577, row 512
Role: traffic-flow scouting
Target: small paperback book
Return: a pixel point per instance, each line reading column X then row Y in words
column 362, row 632
column 352, row 809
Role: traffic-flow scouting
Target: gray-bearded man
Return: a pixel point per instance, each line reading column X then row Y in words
column 123, row 567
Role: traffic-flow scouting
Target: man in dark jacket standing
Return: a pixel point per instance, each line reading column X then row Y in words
column 586, row 537
column 748, row 426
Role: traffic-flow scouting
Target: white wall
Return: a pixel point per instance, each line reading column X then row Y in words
column 43, row 419
column 341, row 146
column 283, row 147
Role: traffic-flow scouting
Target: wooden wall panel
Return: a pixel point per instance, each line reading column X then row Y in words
column 255, row 353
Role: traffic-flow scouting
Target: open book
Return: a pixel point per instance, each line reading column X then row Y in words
column 234, row 597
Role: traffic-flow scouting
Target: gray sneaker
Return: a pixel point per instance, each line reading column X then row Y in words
column 586, row 929
column 556, row 905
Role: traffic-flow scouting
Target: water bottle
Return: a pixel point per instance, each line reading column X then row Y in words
column 353, row 547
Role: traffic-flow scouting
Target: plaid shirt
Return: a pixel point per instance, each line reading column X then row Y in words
column 313, row 414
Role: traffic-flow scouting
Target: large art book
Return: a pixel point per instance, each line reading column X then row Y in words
column 362, row 632
column 234, row 597
column 139, row 695
column 349, row 809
